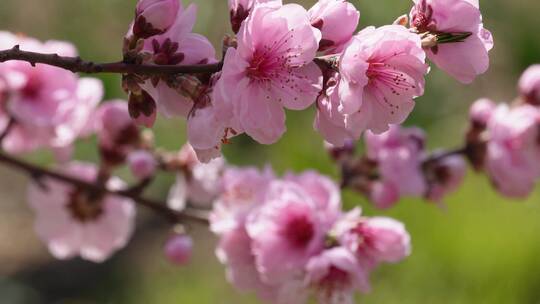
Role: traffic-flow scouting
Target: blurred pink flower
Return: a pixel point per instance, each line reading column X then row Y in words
column 446, row 177
column 154, row 17
column 513, row 154
column 51, row 106
column 335, row 275
column 322, row 190
column 72, row 224
column 287, row 230
column 462, row 60
column 198, row 183
column 142, row 164
column 337, row 20
column 243, row 190
column 272, row 68
column 382, row 71
column 179, row 249
column 234, row 250
column 481, row 111
column 116, row 131
column 384, row 195
column 529, row 84
column 374, row 240
column 398, row 153
column 177, row 46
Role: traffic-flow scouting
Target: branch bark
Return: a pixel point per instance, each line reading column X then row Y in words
column 157, row 206
column 77, row 65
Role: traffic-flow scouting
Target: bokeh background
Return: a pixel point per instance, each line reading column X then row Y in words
column 480, row 249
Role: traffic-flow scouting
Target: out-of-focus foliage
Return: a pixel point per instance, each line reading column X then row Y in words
column 481, row 249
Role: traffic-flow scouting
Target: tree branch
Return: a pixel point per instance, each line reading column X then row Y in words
column 156, row 206
column 77, row 65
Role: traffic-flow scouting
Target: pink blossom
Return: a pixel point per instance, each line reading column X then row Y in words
column 71, row 224
column 272, row 68
column 513, row 150
column 337, row 20
column 374, row 240
column 335, row 274
column 243, row 190
column 481, row 111
column 51, row 106
column 199, row 183
column 382, row 71
column 462, row 60
column 398, row 154
column 142, row 164
column 154, row 17
column 234, row 251
column 240, row 9
column 177, row 46
column 529, row 84
column 286, row 231
column 447, row 175
column 179, row 249
column 324, row 192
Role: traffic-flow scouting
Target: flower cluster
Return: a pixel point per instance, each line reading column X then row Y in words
column 43, row 106
column 366, row 81
column 396, row 164
column 288, row 238
column 507, row 139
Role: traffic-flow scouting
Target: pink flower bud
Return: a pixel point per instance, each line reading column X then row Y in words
column 384, row 195
column 179, row 249
column 153, row 17
column 337, row 20
column 142, row 164
column 481, row 111
column 529, row 84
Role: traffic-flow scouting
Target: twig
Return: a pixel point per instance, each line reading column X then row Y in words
column 445, row 154
column 156, row 206
column 77, row 65
column 7, row 129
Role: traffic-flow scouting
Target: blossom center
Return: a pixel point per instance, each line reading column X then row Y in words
column 32, row 87
column 299, row 231
column 84, row 209
column 335, row 278
column 166, row 53
column 389, row 76
column 422, row 20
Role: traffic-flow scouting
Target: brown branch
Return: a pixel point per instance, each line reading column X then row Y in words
column 77, row 65
column 445, row 154
column 156, row 206
column 7, row 129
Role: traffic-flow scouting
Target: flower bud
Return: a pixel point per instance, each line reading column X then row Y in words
column 481, row 111
column 179, row 249
column 384, row 195
column 529, row 85
column 142, row 164
column 153, row 17
column 337, row 20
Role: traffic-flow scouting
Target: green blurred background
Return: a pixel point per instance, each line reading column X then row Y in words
column 481, row 249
